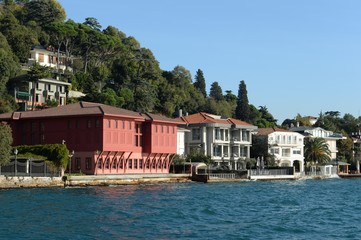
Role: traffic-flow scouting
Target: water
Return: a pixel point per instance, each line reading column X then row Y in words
column 304, row 209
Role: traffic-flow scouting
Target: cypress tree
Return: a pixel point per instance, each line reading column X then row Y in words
column 242, row 109
column 216, row 92
column 200, row 83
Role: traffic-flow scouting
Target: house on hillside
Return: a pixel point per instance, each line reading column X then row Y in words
column 226, row 140
column 105, row 139
column 50, row 57
column 284, row 145
column 329, row 136
column 34, row 95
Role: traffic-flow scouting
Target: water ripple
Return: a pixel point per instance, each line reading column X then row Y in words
column 309, row 209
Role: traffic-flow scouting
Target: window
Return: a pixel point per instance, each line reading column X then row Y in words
column 217, row 150
column 245, row 136
column 77, row 163
column 89, row 123
column 156, row 128
column 97, row 123
column 41, row 57
column 138, row 135
column 107, row 163
column 123, row 124
column 286, row 152
column 108, row 123
column 297, row 151
column 115, row 124
column 196, row 134
column 88, row 163
column 114, row 164
column 140, row 163
column 121, row 163
column 217, row 134
column 130, row 125
column 243, row 151
column 136, row 163
column 275, row 151
column 100, row 163
column 130, row 163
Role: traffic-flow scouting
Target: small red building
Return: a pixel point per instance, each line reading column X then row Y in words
column 105, row 139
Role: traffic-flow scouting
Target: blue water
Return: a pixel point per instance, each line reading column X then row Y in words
column 304, row 209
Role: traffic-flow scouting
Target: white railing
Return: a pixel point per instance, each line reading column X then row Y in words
column 222, row 175
column 268, row 172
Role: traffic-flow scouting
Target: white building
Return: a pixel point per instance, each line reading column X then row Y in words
column 181, row 140
column 317, row 132
column 36, row 94
column 50, row 57
column 285, row 146
column 226, row 140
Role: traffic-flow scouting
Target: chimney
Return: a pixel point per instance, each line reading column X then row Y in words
column 180, row 113
column 298, row 124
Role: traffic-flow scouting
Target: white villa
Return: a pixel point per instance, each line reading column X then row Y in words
column 226, row 140
column 285, row 146
column 329, row 136
column 50, row 57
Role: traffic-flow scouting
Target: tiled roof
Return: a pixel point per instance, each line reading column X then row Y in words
column 267, row 131
column 159, row 118
column 202, row 117
column 75, row 109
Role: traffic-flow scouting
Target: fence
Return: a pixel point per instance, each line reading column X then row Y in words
column 222, row 175
column 29, row 167
column 268, row 172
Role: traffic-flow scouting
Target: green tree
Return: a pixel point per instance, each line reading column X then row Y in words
column 200, row 82
column 18, row 36
column 267, row 117
column 44, row 12
column 6, row 141
column 93, row 23
column 243, row 109
column 317, row 151
column 216, row 92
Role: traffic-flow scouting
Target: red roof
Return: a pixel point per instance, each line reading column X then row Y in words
column 81, row 109
column 267, row 131
column 202, row 117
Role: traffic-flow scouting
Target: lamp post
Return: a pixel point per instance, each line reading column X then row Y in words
column 71, row 154
column 16, row 161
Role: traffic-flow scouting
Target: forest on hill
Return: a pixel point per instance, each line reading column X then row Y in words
column 113, row 68
column 110, row 67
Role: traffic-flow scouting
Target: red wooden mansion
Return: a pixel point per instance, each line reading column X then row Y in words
column 105, row 139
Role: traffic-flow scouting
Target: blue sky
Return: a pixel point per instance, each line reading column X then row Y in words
column 294, row 56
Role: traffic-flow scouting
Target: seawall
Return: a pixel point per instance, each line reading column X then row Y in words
column 88, row 180
column 30, row 182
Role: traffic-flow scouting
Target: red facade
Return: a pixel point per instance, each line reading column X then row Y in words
column 105, row 139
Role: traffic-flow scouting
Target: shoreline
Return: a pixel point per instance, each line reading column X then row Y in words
column 12, row 182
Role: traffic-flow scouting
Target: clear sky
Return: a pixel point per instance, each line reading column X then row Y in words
column 294, row 56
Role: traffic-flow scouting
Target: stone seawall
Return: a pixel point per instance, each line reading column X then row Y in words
column 106, row 180
column 83, row 181
column 30, row 182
